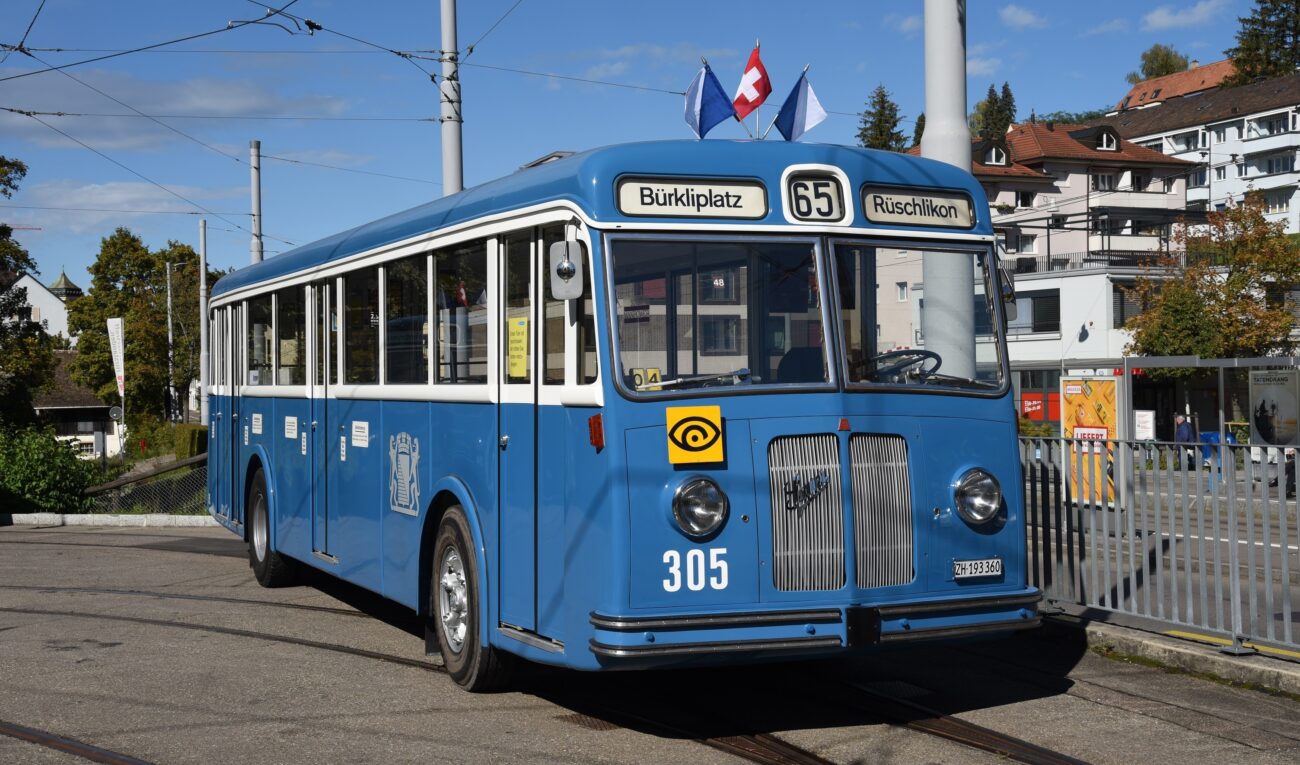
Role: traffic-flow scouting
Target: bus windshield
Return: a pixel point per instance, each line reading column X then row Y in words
column 725, row 313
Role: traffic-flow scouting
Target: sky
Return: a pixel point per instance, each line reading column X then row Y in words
column 332, row 97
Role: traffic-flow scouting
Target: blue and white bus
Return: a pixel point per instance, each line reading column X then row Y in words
column 646, row 405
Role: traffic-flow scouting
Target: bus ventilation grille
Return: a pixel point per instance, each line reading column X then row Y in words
column 882, row 510
column 807, row 512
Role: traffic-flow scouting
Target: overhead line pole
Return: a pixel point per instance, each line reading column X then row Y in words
column 203, row 322
column 255, row 181
column 453, row 178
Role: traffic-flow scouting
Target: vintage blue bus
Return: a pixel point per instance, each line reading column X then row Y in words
column 646, row 405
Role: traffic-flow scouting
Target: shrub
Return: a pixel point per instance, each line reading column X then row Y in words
column 39, row 473
column 191, row 441
column 1030, row 429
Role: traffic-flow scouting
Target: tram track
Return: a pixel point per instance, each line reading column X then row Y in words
column 67, row 745
column 763, row 748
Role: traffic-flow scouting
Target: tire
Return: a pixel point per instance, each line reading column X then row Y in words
column 269, row 567
column 455, row 608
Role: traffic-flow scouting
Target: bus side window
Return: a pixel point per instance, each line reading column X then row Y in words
column 291, row 336
column 553, row 322
column 361, row 326
column 462, row 300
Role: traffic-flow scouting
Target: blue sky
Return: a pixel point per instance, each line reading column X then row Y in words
column 1057, row 56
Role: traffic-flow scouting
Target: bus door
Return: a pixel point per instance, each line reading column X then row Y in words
column 219, row 416
column 234, row 378
column 324, row 447
column 517, row 475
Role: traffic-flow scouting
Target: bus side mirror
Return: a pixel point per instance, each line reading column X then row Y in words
column 566, row 270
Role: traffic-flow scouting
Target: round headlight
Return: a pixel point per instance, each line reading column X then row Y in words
column 700, row 507
column 978, row 496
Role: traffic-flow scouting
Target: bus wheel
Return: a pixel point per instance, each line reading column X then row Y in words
column 473, row 664
column 270, row 567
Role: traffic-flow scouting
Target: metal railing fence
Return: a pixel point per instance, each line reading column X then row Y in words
column 180, row 487
column 1197, row 536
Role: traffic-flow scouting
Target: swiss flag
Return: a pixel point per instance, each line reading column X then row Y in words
column 754, row 87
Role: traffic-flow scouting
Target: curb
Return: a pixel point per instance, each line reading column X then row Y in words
column 1187, row 656
column 156, row 520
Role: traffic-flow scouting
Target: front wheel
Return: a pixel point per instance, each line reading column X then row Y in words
column 270, row 567
column 454, row 590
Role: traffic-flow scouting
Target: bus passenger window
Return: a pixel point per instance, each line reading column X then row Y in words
column 406, row 346
column 462, row 301
column 515, row 346
column 259, row 340
column 361, row 326
column 588, row 368
column 552, row 319
column 291, row 336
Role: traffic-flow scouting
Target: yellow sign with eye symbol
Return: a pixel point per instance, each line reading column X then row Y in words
column 695, row 434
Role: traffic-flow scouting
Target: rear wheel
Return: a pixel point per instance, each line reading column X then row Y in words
column 454, row 590
column 271, row 568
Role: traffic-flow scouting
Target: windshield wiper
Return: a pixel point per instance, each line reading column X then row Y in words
column 738, row 374
column 943, row 378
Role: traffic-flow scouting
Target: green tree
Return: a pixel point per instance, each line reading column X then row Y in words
column 129, row 280
column 11, row 172
column 1228, row 299
column 994, row 113
column 878, row 128
column 1157, row 61
column 1074, row 118
column 918, row 130
column 1268, row 42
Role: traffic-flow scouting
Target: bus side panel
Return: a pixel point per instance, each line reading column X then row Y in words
column 406, row 450
column 286, row 434
column 457, row 440
column 356, row 470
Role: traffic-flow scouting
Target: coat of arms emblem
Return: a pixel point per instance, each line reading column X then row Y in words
column 403, row 473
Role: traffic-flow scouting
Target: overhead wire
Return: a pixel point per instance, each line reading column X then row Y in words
column 349, row 169
column 228, row 27
column 314, row 26
column 284, row 117
column 114, row 210
column 470, row 50
column 23, row 41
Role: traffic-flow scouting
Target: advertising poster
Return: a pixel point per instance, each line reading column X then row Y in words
column 1090, row 411
column 1274, row 407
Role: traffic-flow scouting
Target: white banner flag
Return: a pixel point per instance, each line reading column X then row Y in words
column 115, row 346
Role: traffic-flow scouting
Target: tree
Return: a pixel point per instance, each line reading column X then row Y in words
column 26, row 350
column 918, row 130
column 1228, row 299
column 1268, row 42
column 129, row 280
column 878, row 128
column 1074, row 118
column 994, row 114
column 1157, row 61
column 11, row 172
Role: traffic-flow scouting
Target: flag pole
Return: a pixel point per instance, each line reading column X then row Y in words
column 758, row 120
column 778, row 111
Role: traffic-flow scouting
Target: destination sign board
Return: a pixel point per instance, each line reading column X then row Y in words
column 912, row 207
column 691, row 198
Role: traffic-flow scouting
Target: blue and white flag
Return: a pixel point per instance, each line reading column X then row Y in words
column 801, row 111
column 707, row 103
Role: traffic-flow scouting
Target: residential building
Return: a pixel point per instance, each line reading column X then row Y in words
column 77, row 414
column 1081, row 213
column 46, row 304
column 1243, row 138
column 1195, row 79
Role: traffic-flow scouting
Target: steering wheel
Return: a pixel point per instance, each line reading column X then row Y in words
column 909, row 357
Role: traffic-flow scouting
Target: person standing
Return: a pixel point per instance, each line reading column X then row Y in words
column 1185, row 439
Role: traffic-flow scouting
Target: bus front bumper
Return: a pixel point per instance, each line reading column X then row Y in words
column 809, row 631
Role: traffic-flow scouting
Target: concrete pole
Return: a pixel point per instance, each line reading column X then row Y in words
column 453, row 178
column 255, row 181
column 171, row 385
column 948, row 319
column 203, row 322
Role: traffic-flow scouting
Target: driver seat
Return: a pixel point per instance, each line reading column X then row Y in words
column 801, row 365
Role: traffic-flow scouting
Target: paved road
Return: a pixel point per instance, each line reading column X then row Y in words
column 176, row 680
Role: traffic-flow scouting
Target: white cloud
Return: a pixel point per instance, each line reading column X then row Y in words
column 1020, row 18
column 1114, row 26
column 336, row 157
column 607, row 70
column 978, row 66
column 1174, row 17
column 118, row 195
column 908, row 25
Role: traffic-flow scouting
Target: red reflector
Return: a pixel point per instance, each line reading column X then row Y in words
column 844, row 424
column 596, row 431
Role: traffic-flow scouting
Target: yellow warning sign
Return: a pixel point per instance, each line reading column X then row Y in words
column 695, row 434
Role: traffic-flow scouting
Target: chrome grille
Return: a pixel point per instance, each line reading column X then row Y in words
column 807, row 533
column 882, row 510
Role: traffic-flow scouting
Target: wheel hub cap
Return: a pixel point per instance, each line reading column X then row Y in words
column 453, row 600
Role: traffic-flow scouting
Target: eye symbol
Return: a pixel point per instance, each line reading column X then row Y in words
column 694, row 434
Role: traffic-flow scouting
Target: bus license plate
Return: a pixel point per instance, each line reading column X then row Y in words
column 970, row 569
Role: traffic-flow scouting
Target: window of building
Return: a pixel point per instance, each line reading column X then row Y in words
column 1057, row 221
column 291, row 336
column 1124, row 305
column 1220, row 134
column 1141, row 180
column 901, row 291
column 1106, row 142
column 1274, row 125
column 259, row 341
column 1202, row 139
column 1167, row 184
column 406, row 321
column 1036, row 311
column 1220, row 173
column 1241, row 169
column 995, row 156
column 720, row 335
column 1024, row 199
column 1198, row 178
column 1278, row 201
column 1282, row 163
column 361, row 327
column 461, row 299
column 1103, row 181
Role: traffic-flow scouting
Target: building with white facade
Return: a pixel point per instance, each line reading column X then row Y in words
column 1243, row 138
column 47, row 304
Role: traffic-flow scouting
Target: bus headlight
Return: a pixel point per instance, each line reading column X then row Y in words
column 978, row 496
column 700, row 507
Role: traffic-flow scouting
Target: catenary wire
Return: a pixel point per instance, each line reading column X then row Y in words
column 23, row 41
column 228, row 27
column 470, row 50
column 349, row 169
column 284, row 117
column 115, row 210
column 315, row 26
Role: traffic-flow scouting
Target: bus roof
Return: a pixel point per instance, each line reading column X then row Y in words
column 587, row 180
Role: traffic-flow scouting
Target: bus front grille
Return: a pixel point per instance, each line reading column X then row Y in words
column 807, row 512
column 882, row 510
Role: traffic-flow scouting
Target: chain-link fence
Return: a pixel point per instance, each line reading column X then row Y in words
column 180, row 487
